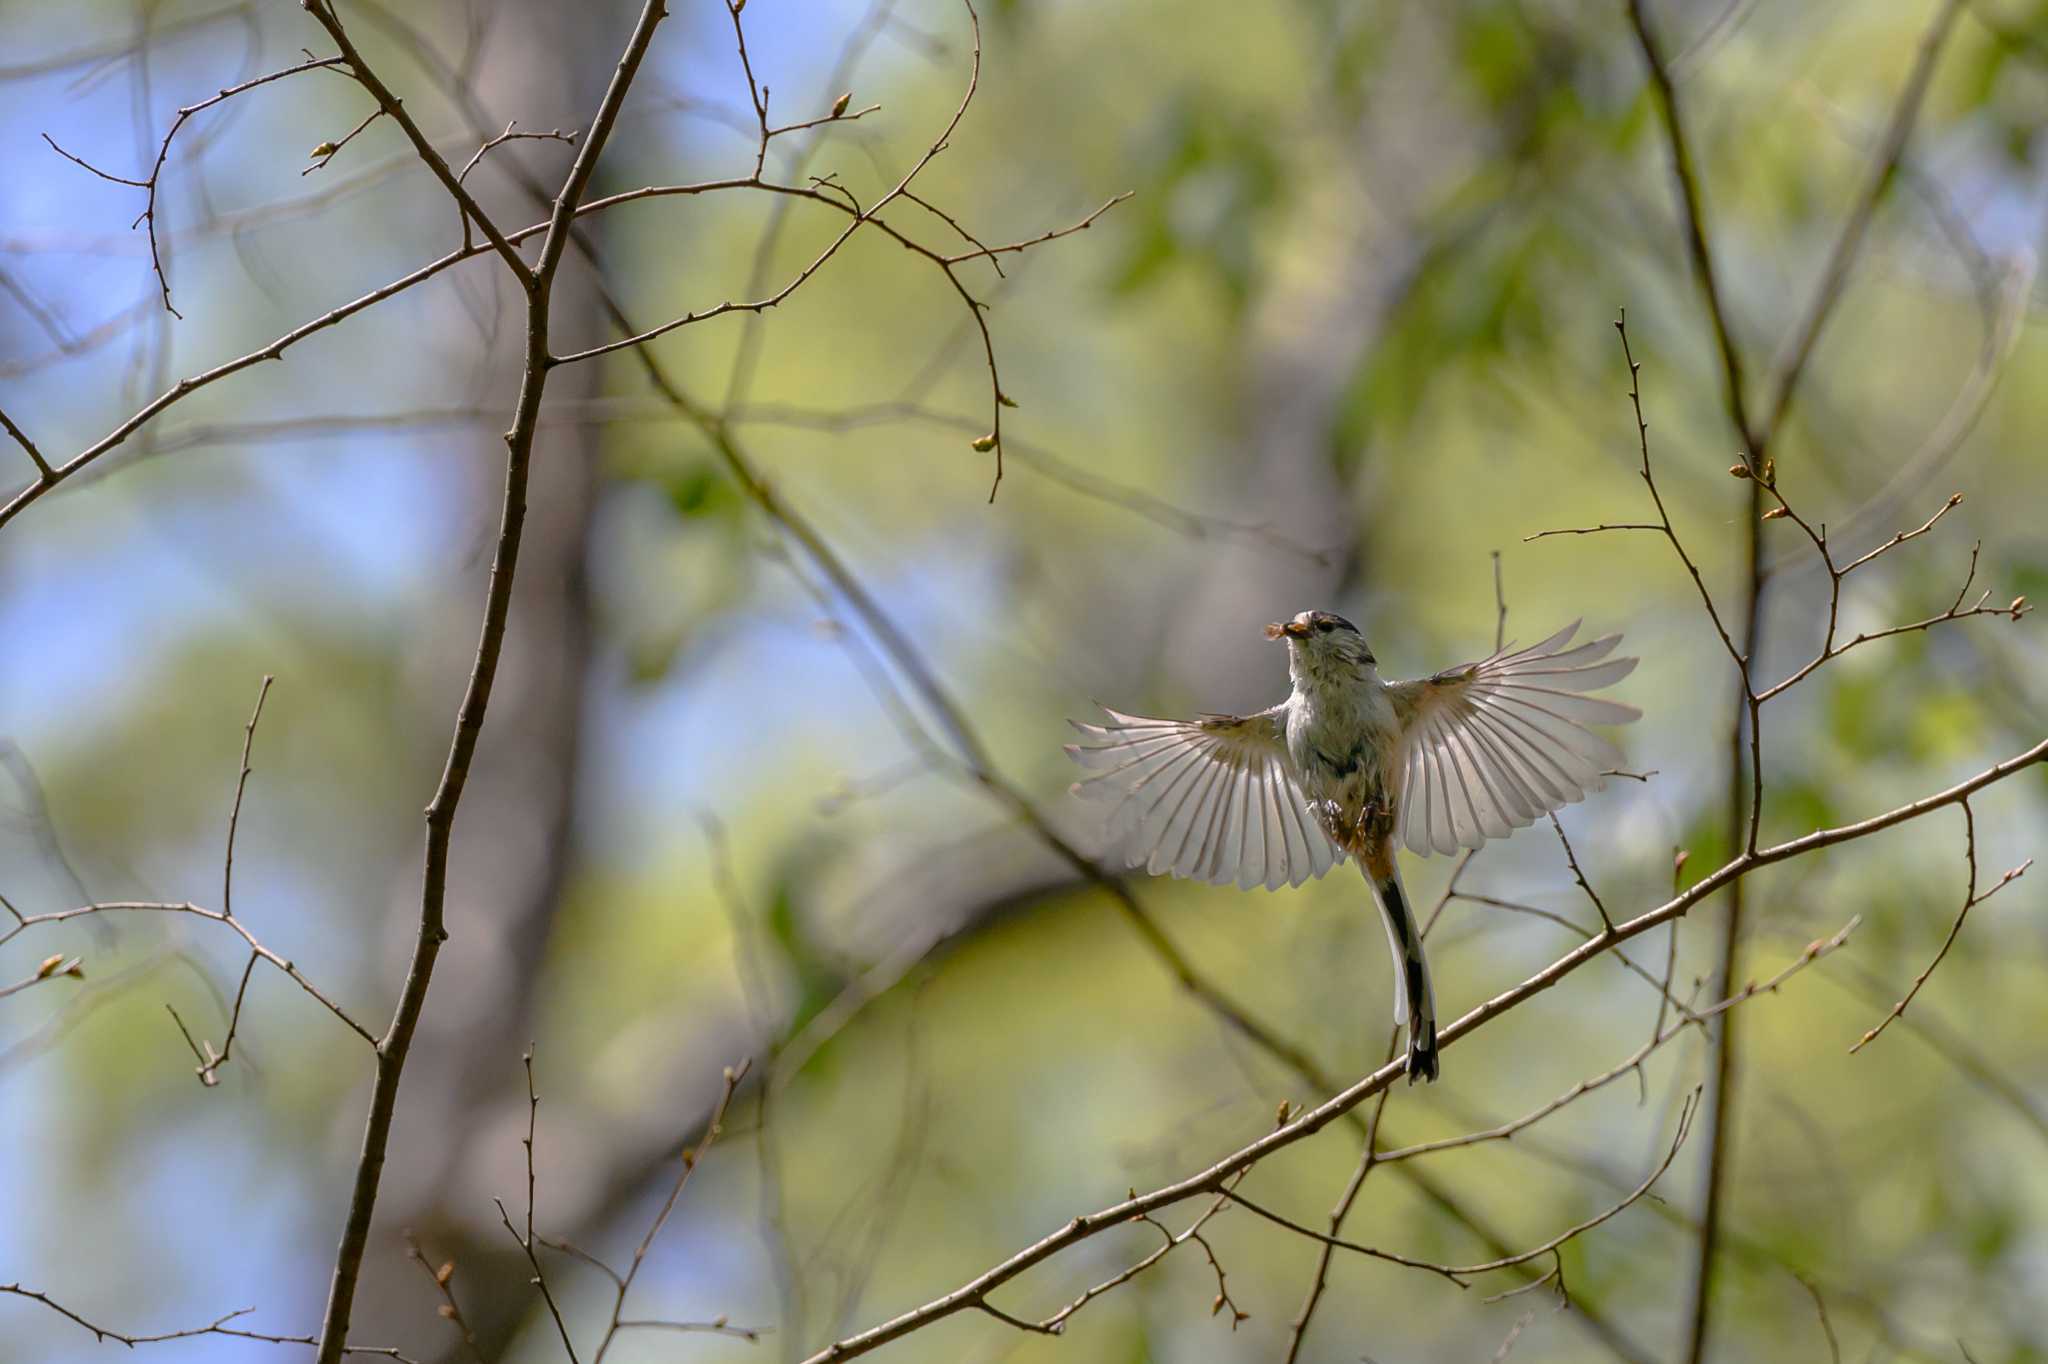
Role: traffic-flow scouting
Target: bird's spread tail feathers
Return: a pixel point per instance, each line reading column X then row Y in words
column 1414, row 999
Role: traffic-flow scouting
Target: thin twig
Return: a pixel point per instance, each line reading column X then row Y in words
column 24, row 922
column 57, row 966
column 327, row 151
column 393, row 107
column 1368, row 1158
column 1685, row 1116
column 1456, row 1276
column 1827, row 1327
column 147, row 218
column 1971, row 899
column 443, row 1281
column 512, row 134
column 1694, row 1018
column 217, row 1327
column 686, row 1166
column 28, row 447
column 717, row 1326
column 526, row 1242
column 1572, row 861
column 227, row 870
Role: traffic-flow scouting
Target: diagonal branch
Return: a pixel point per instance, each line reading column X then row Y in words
column 394, row 109
column 970, row 1295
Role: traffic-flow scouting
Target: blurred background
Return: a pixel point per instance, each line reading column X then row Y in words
column 1351, row 336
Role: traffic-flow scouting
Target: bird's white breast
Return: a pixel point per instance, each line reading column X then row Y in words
column 1341, row 737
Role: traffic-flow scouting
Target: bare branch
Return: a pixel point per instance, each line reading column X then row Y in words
column 1814, row 951
column 217, row 1327
column 392, row 107
column 442, row 1279
column 152, row 183
column 1368, row 1160
column 28, row 447
column 1829, row 649
column 227, row 871
column 25, row 922
column 56, row 966
column 1685, row 1116
column 1827, row 1327
column 1456, row 1276
column 990, row 253
column 717, row 1326
column 327, row 151
column 512, row 134
column 687, row 1165
column 1635, row 397
column 1210, row 1180
column 1971, row 899
column 396, row 1043
column 526, row 1242
column 1572, row 861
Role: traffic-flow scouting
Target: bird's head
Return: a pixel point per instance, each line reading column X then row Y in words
column 1320, row 644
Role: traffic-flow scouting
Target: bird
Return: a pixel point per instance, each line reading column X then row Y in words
column 1351, row 766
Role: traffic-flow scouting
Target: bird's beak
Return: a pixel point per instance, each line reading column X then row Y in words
column 1292, row 629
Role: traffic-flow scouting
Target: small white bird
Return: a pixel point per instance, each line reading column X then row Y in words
column 1348, row 764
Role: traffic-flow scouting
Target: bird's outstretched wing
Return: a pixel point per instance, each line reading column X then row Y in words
column 1494, row 746
column 1214, row 799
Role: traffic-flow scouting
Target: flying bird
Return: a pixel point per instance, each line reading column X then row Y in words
column 1352, row 766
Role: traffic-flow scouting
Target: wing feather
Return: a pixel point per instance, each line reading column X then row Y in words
column 1495, row 745
column 1214, row 799
column 1524, row 805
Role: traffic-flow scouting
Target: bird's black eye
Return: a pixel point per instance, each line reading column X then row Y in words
column 1325, row 625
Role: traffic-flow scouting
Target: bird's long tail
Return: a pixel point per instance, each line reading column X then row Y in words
column 1414, row 999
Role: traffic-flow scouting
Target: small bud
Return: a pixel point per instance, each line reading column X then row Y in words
column 737, row 6
column 445, row 1273
column 1739, row 470
column 49, row 966
column 1216, row 1306
column 1774, row 513
column 984, row 444
column 1770, row 471
column 2018, row 607
column 1006, row 400
column 1954, row 498
column 324, row 149
column 839, row 105
column 447, row 1312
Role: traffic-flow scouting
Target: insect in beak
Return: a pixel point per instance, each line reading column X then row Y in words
column 1292, row 629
